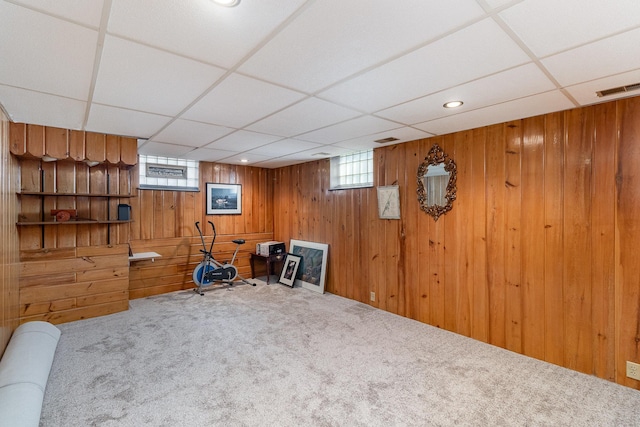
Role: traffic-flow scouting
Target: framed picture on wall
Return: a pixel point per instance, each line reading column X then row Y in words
column 290, row 269
column 313, row 265
column 223, row 199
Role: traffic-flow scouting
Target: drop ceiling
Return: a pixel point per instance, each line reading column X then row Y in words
column 281, row 82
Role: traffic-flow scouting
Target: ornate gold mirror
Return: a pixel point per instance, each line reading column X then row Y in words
column 436, row 183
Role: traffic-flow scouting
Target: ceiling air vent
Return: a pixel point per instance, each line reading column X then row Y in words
column 621, row 89
column 385, row 140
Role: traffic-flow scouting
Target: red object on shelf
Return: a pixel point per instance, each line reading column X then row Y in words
column 63, row 215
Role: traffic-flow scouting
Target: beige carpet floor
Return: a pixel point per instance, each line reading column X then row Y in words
column 277, row 356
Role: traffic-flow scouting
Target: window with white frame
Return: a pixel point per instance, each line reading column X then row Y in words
column 167, row 173
column 352, row 170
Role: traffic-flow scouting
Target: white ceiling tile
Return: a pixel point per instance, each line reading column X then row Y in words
column 243, row 140
column 512, row 110
column 550, row 26
column 312, row 154
column 208, row 155
column 245, row 159
column 234, row 102
column 278, row 163
column 119, row 121
column 81, row 11
column 361, row 126
column 596, row 60
column 334, row 39
column 190, row 133
column 60, row 65
column 41, row 109
column 310, row 114
column 515, row 83
column 585, row 93
column 162, row 149
column 499, row 3
column 200, row 29
column 284, row 147
column 474, row 52
column 142, row 78
column 403, row 134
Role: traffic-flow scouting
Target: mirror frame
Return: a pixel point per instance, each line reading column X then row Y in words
column 436, row 156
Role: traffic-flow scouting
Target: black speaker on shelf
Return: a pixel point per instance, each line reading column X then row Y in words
column 124, row 212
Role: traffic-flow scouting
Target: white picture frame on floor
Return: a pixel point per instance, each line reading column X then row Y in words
column 313, row 264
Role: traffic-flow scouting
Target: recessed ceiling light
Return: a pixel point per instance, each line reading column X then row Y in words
column 227, row 3
column 244, row 161
column 453, row 104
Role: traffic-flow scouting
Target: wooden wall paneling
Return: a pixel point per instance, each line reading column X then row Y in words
column 157, row 216
column 30, row 206
column 252, row 181
column 450, row 273
column 9, row 179
column 369, row 249
column 336, row 239
column 17, row 138
column 268, row 200
column 179, row 209
column 77, row 145
column 513, row 236
column 496, row 231
column 83, row 232
column 225, row 224
column 553, row 238
column 351, row 251
column 56, row 143
column 377, row 236
column 112, row 149
column 603, row 236
column 128, row 151
column 95, row 147
column 436, row 256
column 380, row 236
column 410, row 214
column 49, row 234
column 294, row 213
column 532, row 237
column 628, row 235
column 98, row 206
column 577, row 240
column 65, row 183
column 239, row 175
column 35, row 140
column 480, row 289
column 423, row 237
column 57, row 302
column 462, row 229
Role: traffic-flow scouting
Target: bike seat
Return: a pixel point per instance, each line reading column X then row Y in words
column 239, row 241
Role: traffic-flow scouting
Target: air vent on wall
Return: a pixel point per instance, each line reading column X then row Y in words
column 616, row 90
column 385, row 140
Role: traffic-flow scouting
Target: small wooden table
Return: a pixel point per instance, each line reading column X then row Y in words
column 269, row 261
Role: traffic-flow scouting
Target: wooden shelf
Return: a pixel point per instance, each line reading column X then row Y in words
column 46, row 193
column 141, row 256
column 71, row 222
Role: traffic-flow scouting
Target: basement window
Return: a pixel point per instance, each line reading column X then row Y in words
column 352, row 170
column 166, row 173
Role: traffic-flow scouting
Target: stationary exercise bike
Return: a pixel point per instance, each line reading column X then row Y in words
column 210, row 271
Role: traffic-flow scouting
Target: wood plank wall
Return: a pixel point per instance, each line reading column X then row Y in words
column 9, row 315
column 66, row 284
column 164, row 222
column 537, row 256
column 71, row 271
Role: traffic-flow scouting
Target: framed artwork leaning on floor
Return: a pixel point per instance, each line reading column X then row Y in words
column 313, row 265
